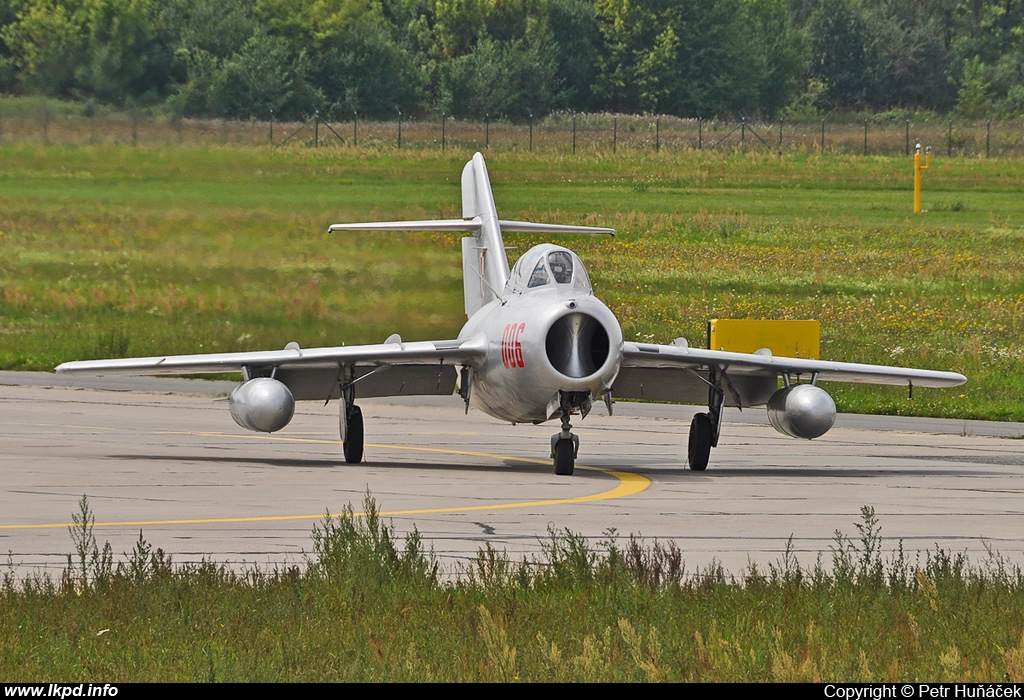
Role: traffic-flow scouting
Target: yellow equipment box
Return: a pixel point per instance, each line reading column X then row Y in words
column 783, row 338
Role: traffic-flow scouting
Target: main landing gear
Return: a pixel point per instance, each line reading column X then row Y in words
column 565, row 446
column 704, row 427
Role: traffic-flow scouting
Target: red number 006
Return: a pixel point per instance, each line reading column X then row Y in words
column 511, row 348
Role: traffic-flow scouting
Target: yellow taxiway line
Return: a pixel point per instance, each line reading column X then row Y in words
column 629, row 485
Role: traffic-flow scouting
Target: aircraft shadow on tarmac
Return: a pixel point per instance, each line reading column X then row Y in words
column 725, row 470
column 506, row 466
column 1007, row 460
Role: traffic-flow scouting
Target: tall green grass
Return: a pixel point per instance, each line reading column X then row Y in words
column 115, row 250
column 367, row 605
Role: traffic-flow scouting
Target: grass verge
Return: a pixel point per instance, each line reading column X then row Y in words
column 368, row 606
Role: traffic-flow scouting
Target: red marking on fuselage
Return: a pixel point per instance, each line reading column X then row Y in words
column 511, row 347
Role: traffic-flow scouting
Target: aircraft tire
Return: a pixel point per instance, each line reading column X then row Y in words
column 564, row 458
column 699, row 451
column 353, row 444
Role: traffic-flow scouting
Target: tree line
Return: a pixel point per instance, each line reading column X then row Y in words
column 519, row 59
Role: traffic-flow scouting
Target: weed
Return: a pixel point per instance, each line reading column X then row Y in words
column 500, row 661
column 91, row 566
column 569, row 560
column 646, row 653
column 360, row 550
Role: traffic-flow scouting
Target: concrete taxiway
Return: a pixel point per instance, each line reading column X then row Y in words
column 164, row 457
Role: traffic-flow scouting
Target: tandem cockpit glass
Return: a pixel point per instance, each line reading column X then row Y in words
column 548, row 265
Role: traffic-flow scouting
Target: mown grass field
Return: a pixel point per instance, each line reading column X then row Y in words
column 368, row 606
column 120, row 250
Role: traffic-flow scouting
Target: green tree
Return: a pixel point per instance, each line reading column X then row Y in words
column 351, row 56
column 839, row 54
column 126, row 51
column 501, row 78
column 989, row 45
column 910, row 45
column 46, row 44
column 780, row 53
column 628, row 29
column 686, row 58
column 8, row 15
column 577, row 45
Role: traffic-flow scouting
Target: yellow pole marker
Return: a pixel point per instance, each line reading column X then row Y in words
column 917, row 174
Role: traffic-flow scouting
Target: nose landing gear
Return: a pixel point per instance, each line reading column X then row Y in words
column 565, row 446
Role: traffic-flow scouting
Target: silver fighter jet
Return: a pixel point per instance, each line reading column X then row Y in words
column 538, row 346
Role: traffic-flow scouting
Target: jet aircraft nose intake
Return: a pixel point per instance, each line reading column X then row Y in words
column 577, row 345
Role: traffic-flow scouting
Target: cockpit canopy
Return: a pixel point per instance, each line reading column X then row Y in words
column 549, row 265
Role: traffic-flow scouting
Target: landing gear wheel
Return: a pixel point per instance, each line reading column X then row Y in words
column 701, row 434
column 565, row 457
column 353, row 444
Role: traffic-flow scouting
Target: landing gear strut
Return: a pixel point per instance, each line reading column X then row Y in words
column 564, row 445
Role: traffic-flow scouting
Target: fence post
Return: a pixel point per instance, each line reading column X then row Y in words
column 355, row 128
column 316, row 129
column 615, row 134
column 700, row 134
column 865, row 137
column 949, row 140
column 780, row 136
column 574, row 133
column 907, row 147
column 271, row 127
column 399, row 128
column 822, row 135
column 444, row 142
column 530, row 112
column 743, row 130
column 988, row 136
column 657, row 134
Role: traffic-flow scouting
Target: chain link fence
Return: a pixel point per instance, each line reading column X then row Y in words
column 52, row 122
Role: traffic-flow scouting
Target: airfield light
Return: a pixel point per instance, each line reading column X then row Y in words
column 918, row 167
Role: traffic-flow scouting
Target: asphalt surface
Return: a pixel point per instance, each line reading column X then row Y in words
column 165, row 458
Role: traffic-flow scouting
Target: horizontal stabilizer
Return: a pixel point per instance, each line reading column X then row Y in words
column 469, row 225
column 431, row 225
column 530, row 227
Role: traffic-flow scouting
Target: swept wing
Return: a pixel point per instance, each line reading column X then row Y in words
column 636, row 355
column 680, row 373
column 425, row 367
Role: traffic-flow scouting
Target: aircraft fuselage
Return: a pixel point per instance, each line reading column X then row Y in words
column 541, row 343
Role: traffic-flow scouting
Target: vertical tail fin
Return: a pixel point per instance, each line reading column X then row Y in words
column 484, row 262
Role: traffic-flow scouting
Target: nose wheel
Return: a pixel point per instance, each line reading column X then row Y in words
column 564, row 456
column 564, row 445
